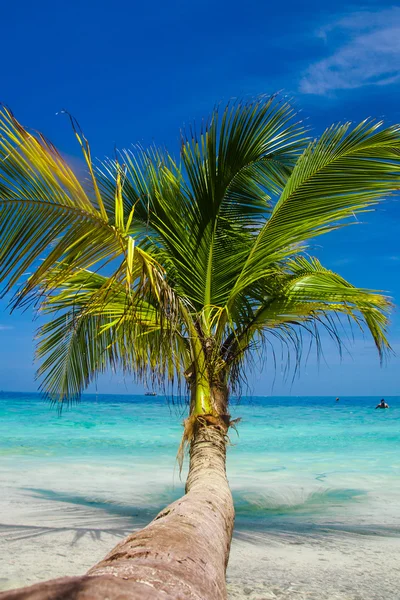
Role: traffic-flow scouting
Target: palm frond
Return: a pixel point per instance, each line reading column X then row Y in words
column 92, row 331
column 303, row 294
column 195, row 214
column 345, row 172
column 48, row 218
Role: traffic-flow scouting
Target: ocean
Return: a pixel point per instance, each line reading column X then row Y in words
column 303, row 470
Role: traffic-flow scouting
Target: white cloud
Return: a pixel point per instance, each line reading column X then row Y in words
column 368, row 53
column 6, row 327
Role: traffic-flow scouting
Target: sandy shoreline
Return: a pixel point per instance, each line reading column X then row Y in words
column 41, row 538
column 317, row 494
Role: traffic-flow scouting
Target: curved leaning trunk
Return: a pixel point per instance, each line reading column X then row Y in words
column 185, row 550
column 182, row 554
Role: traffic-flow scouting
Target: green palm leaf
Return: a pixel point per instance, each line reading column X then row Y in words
column 47, row 215
column 98, row 326
column 196, row 211
column 343, row 173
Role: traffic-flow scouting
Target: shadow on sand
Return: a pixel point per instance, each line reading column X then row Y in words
column 259, row 517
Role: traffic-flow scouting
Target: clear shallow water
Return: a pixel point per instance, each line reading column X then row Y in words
column 303, row 466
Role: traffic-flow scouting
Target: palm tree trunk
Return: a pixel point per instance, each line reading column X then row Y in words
column 183, row 553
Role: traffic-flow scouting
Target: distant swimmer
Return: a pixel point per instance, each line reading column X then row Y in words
column 382, row 404
column 337, row 399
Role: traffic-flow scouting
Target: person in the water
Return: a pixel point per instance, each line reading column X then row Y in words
column 337, row 399
column 382, row 404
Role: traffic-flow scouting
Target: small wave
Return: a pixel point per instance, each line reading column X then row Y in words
column 293, row 500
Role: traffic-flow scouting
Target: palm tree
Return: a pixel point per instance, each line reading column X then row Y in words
column 177, row 272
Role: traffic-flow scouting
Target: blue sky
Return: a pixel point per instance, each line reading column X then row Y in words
column 131, row 72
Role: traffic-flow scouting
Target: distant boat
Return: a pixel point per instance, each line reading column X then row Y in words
column 151, row 394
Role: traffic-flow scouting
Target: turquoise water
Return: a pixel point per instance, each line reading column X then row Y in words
column 301, row 465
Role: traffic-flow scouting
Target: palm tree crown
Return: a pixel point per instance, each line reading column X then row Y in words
column 176, row 269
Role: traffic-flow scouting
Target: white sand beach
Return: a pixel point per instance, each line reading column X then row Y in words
column 46, row 535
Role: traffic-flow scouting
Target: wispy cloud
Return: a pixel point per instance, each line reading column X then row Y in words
column 338, row 262
column 393, row 258
column 366, row 52
column 6, row 327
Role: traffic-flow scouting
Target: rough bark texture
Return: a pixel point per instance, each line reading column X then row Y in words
column 181, row 554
